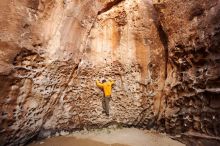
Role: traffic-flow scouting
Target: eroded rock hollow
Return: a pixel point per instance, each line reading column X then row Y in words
column 163, row 55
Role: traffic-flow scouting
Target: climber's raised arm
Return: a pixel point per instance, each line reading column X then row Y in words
column 100, row 85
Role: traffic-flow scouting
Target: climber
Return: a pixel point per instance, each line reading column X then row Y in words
column 107, row 88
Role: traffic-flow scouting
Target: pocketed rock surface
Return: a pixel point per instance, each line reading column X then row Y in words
column 192, row 99
column 163, row 55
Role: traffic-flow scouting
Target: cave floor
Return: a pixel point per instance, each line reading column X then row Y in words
column 110, row 137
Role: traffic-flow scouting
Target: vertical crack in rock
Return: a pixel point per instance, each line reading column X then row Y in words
column 162, row 34
column 109, row 5
column 89, row 32
column 164, row 40
column 163, row 37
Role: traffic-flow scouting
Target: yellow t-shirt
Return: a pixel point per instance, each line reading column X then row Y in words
column 107, row 87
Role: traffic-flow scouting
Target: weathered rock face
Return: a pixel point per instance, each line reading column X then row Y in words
column 53, row 51
column 165, row 64
column 192, row 103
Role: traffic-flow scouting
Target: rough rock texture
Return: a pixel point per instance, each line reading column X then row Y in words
column 163, row 57
column 192, row 101
column 53, row 51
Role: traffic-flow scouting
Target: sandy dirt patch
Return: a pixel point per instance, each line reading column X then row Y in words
column 111, row 137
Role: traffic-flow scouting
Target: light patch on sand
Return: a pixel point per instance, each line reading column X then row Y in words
column 128, row 136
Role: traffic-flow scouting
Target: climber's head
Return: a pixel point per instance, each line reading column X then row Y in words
column 103, row 81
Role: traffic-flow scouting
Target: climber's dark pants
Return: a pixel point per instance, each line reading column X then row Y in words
column 105, row 104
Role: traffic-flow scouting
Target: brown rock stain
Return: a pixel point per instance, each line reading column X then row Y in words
column 116, row 37
column 141, row 55
column 70, row 40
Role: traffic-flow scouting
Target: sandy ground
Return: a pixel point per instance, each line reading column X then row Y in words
column 111, row 137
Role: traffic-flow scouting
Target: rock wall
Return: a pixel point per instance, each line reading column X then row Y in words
column 37, row 63
column 191, row 104
column 165, row 64
column 53, row 51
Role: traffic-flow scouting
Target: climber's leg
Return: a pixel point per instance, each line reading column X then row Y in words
column 107, row 100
